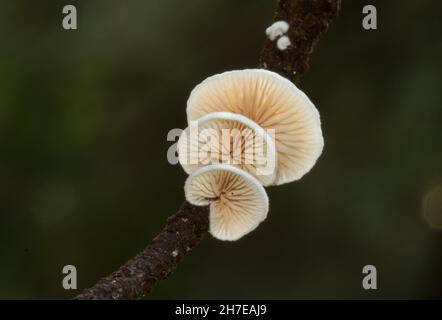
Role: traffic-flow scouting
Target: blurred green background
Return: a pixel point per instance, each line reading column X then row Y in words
column 85, row 180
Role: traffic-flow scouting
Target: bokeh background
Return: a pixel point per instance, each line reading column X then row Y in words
column 85, row 180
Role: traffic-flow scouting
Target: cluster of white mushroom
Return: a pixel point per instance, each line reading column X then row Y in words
column 278, row 118
column 277, row 31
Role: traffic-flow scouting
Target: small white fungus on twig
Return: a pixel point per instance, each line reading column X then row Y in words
column 283, row 43
column 277, row 29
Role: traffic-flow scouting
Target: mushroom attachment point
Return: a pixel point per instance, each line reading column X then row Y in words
column 228, row 138
column 238, row 202
column 273, row 103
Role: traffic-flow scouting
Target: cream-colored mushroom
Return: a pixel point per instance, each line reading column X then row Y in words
column 224, row 137
column 238, row 202
column 272, row 102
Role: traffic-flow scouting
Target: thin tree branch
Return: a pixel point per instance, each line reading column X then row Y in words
column 308, row 19
column 136, row 277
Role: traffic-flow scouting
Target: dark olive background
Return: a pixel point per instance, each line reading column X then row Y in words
column 85, row 180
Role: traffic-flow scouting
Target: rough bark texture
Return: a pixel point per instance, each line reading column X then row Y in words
column 308, row 19
column 136, row 277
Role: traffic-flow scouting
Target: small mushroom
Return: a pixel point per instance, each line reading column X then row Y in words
column 238, row 202
column 224, row 137
column 283, row 43
column 272, row 102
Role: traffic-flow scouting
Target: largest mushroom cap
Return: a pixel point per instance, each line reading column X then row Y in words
column 238, row 202
column 272, row 102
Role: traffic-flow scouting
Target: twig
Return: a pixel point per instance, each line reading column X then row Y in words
column 136, row 277
column 308, row 19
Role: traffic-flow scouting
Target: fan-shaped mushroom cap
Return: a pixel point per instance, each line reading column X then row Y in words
column 238, row 202
column 272, row 102
column 224, row 137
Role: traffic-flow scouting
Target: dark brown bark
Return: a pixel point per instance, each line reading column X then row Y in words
column 308, row 19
